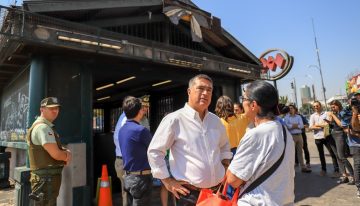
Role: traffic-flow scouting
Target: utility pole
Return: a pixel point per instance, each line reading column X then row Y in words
column 319, row 65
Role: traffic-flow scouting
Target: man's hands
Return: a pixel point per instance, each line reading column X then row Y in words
column 175, row 186
column 68, row 157
column 295, row 126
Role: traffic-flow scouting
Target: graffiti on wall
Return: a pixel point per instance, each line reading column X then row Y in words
column 14, row 112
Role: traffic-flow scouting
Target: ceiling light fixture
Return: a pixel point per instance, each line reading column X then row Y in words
column 103, row 98
column 239, row 70
column 161, row 83
column 105, row 86
column 124, row 80
column 94, row 43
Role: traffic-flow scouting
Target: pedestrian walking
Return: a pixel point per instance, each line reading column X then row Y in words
column 199, row 147
column 46, row 154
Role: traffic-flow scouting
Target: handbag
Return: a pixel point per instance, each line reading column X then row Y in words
column 269, row 172
column 208, row 198
column 326, row 130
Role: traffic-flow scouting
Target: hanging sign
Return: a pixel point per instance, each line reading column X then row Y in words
column 276, row 64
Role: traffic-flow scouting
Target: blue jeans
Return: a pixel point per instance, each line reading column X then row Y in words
column 344, row 164
column 355, row 151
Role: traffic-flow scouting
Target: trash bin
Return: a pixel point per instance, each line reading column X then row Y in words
column 4, row 169
column 22, row 186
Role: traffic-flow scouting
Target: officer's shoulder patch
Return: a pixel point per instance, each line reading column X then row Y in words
column 50, row 133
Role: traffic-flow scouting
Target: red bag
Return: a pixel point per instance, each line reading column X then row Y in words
column 208, row 198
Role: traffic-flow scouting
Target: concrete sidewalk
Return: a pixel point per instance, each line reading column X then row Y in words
column 313, row 189
column 310, row 188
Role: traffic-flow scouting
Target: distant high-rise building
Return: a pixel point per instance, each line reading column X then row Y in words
column 305, row 94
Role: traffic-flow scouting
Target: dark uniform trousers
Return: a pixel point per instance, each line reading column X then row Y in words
column 47, row 186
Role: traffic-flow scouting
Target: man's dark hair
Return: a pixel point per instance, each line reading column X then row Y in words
column 283, row 109
column 266, row 96
column 131, row 106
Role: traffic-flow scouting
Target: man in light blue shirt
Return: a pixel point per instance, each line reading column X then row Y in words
column 294, row 124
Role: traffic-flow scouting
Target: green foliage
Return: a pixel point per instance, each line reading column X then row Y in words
column 283, row 99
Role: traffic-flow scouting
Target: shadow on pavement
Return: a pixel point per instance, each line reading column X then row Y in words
column 312, row 184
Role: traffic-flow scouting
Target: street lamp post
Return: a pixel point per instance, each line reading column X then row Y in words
column 322, row 83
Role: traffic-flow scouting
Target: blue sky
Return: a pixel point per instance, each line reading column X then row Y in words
column 260, row 25
column 286, row 24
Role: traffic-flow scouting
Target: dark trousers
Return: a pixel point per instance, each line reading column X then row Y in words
column 138, row 189
column 305, row 148
column 188, row 200
column 329, row 143
column 48, row 185
column 344, row 164
column 355, row 151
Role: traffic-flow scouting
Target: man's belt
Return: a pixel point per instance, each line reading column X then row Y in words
column 192, row 187
column 48, row 171
column 118, row 157
column 143, row 172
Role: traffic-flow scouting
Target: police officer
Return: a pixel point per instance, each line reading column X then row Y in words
column 47, row 155
column 145, row 105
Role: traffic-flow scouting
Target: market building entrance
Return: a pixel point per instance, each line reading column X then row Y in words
column 91, row 54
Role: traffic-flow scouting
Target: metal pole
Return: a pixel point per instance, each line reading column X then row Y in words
column 319, row 67
column 275, row 85
column 295, row 88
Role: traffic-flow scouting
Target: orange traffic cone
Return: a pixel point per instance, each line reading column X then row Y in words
column 105, row 198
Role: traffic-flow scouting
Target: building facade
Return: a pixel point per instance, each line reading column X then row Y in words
column 305, row 94
column 91, row 54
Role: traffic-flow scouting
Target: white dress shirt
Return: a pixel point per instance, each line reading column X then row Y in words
column 318, row 119
column 196, row 148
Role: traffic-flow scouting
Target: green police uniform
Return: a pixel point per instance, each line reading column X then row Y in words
column 45, row 171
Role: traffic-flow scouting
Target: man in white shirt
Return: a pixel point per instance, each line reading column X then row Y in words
column 199, row 147
column 260, row 149
column 317, row 124
column 294, row 123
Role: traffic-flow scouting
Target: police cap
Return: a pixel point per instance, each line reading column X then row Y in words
column 145, row 100
column 50, row 102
